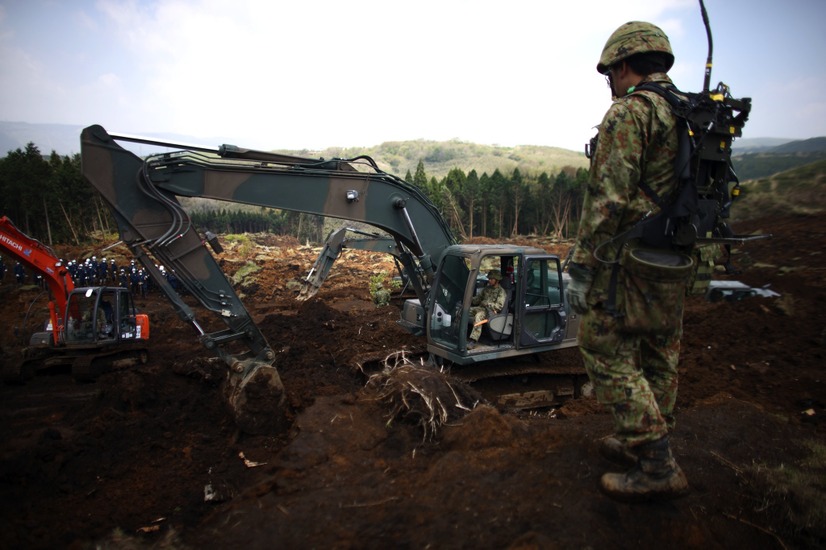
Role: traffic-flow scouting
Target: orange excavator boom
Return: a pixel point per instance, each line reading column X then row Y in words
column 38, row 257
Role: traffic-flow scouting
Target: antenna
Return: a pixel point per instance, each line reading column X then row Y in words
column 707, row 79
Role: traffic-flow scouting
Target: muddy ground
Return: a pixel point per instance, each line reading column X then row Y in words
column 131, row 458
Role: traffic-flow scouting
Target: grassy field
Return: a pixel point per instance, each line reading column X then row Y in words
column 796, row 191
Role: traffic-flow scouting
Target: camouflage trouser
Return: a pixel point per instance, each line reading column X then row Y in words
column 635, row 376
column 478, row 314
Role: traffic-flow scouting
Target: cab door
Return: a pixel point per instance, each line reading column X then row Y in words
column 541, row 312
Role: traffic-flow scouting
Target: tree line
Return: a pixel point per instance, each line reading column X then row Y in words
column 46, row 197
column 501, row 205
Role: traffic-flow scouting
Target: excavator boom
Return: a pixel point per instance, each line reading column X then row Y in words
column 142, row 195
column 38, row 257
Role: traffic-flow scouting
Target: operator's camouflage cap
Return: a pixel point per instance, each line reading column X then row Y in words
column 495, row 274
column 632, row 38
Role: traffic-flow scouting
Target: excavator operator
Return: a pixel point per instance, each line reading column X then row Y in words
column 488, row 302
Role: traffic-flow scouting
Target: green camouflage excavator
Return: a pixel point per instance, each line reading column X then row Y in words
column 143, row 197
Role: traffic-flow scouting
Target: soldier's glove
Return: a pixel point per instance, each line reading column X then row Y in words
column 577, row 291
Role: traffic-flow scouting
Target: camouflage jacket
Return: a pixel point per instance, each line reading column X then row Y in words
column 637, row 142
column 492, row 298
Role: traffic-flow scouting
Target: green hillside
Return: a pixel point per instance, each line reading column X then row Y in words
column 764, row 161
column 811, row 145
column 439, row 157
column 761, row 165
column 795, row 191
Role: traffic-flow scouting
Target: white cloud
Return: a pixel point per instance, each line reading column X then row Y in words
column 314, row 74
column 29, row 80
column 85, row 21
column 109, row 81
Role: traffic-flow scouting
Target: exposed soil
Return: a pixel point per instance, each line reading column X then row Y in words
column 130, row 458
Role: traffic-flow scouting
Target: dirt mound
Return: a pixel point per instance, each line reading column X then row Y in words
column 152, row 452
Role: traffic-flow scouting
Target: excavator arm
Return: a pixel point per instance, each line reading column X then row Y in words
column 336, row 242
column 38, row 257
column 142, row 194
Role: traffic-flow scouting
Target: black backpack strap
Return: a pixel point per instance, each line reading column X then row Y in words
column 682, row 201
column 680, row 107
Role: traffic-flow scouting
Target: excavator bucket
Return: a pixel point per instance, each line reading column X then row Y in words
column 255, row 396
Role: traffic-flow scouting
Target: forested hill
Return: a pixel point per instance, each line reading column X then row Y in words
column 481, row 190
column 486, row 191
column 440, row 157
column 396, row 157
column 762, row 161
column 754, row 157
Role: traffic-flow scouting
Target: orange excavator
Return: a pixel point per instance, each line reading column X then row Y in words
column 38, row 257
column 91, row 329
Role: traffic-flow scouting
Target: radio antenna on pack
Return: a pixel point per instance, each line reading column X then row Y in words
column 707, row 79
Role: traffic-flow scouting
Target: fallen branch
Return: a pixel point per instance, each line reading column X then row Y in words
column 761, row 529
column 369, row 504
column 726, row 462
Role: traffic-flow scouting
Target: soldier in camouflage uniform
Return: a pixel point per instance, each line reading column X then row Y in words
column 488, row 302
column 634, row 373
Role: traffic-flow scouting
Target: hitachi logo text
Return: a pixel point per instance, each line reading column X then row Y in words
column 11, row 243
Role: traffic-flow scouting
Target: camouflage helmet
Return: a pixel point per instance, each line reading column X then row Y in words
column 495, row 274
column 633, row 38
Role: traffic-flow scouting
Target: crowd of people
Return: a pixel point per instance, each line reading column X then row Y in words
column 94, row 272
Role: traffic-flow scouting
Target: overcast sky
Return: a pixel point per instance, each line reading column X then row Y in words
column 271, row 74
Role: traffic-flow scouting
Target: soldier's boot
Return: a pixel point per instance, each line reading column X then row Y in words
column 656, row 476
column 617, row 452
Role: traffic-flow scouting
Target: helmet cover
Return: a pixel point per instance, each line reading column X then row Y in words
column 632, row 38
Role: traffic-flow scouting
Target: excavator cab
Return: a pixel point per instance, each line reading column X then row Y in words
column 101, row 315
column 102, row 331
column 533, row 320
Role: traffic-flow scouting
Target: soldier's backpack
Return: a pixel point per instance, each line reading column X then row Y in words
column 698, row 209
